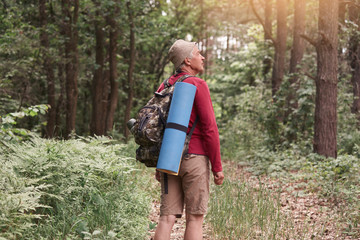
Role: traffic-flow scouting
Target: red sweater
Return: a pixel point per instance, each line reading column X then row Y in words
column 205, row 138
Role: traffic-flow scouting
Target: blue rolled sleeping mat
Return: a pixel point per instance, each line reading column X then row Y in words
column 175, row 132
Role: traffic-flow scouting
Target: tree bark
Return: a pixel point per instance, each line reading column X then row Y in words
column 60, row 102
column 354, row 55
column 130, row 81
column 326, row 80
column 97, row 126
column 268, row 34
column 114, row 93
column 280, row 46
column 297, row 52
column 268, row 19
column 47, row 65
column 70, row 11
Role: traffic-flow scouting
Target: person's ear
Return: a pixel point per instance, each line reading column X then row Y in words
column 187, row 61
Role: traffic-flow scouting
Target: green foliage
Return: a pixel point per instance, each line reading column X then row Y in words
column 338, row 180
column 240, row 99
column 241, row 134
column 18, row 52
column 278, row 164
column 70, row 189
column 286, row 124
column 335, row 175
column 8, row 129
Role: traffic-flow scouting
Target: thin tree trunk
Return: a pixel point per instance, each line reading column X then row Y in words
column 268, row 19
column 326, row 80
column 130, row 70
column 47, row 64
column 354, row 52
column 70, row 10
column 297, row 52
column 60, row 103
column 113, row 97
column 228, row 42
column 209, row 45
column 268, row 34
column 97, row 126
column 342, row 13
column 280, row 46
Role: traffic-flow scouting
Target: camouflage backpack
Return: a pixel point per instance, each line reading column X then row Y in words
column 149, row 125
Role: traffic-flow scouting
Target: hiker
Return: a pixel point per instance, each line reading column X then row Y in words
column 191, row 186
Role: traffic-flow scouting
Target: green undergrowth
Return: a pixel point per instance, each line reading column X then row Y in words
column 88, row 188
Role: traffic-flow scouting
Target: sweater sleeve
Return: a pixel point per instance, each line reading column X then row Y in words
column 209, row 129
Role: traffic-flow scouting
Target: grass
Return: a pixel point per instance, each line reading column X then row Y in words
column 240, row 211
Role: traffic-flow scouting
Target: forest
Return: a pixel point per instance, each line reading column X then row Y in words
column 284, row 77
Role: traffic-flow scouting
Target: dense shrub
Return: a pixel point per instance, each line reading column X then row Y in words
column 71, row 189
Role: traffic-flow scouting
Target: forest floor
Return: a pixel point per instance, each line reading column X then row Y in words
column 313, row 217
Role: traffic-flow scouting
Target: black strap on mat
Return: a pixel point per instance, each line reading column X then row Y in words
column 176, row 126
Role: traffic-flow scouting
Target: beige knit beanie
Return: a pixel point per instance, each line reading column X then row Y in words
column 180, row 50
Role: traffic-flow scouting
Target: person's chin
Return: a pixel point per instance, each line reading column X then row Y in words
column 202, row 71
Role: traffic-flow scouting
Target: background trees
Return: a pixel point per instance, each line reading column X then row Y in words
column 96, row 62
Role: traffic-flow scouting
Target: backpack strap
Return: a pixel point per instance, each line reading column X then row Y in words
column 166, row 83
column 193, row 127
column 180, row 79
column 189, row 136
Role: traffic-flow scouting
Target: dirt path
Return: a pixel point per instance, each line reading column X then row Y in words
column 313, row 217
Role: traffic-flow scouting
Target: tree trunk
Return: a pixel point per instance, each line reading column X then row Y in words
column 97, row 126
column 70, row 11
column 354, row 52
column 267, row 35
column 113, row 97
column 326, row 80
column 280, row 46
column 130, row 70
column 60, row 103
column 268, row 19
column 48, row 66
column 297, row 52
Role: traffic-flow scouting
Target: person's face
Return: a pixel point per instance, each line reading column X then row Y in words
column 197, row 61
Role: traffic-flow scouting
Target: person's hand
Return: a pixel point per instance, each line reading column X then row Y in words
column 218, row 178
column 157, row 175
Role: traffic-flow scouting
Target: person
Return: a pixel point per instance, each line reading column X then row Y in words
column 191, row 186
